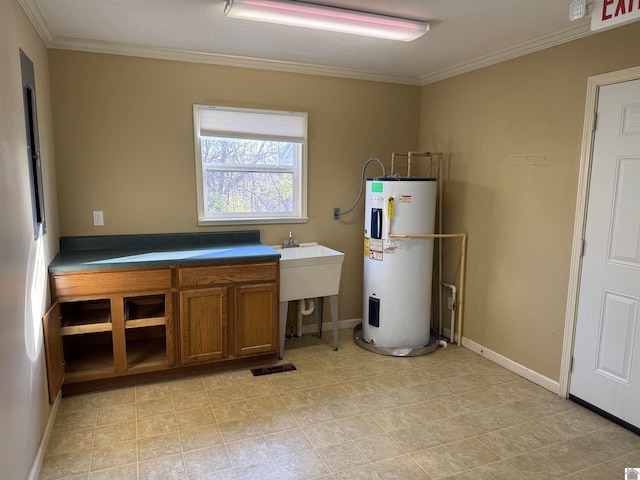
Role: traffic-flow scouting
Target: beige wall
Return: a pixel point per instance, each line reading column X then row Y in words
column 519, row 218
column 24, row 407
column 124, row 145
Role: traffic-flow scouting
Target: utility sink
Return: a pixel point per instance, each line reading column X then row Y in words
column 309, row 271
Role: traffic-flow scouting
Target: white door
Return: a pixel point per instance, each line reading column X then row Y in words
column 606, row 356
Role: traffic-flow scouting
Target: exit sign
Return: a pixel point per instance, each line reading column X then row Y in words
column 608, row 13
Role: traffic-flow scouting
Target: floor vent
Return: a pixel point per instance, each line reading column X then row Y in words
column 285, row 367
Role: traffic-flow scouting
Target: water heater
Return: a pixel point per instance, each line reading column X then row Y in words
column 398, row 271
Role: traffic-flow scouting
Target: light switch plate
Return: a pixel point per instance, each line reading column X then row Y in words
column 98, row 218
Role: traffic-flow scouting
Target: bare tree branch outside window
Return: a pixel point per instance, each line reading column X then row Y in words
column 247, row 175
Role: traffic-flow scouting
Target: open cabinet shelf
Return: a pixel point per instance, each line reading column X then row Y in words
column 84, row 317
column 146, row 352
column 145, row 311
column 90, row 354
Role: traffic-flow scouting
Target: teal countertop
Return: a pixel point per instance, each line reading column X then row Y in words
column 139, row 251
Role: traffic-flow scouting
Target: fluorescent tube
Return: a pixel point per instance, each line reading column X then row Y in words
column 309, row 15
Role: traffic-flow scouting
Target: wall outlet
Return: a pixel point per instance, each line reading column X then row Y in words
column 98, row 218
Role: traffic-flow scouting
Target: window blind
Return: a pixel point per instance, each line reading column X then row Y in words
column 253, row 124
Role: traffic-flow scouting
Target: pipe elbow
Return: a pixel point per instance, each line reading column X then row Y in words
column 306, row 308
column 451, row 287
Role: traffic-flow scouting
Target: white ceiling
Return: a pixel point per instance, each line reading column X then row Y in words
column 464, row 35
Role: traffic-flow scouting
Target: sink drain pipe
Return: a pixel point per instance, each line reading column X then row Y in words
column 306, row 306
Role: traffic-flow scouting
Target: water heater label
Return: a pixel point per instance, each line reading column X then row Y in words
column 405, row 198
column 389, row 246
column 375, row 249
column 373, row 255
column 376, row 187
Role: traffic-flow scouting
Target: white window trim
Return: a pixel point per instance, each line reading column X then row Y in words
column 250, row 220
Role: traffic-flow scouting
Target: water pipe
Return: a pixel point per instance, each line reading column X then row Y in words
column 439, row 235
column 303, row 309
column 453, row 309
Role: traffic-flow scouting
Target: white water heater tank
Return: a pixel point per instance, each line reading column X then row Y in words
column 398, row 271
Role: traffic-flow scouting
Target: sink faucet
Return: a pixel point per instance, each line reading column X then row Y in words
column 291, row 243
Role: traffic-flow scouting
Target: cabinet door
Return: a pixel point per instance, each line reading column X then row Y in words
column 203, row 325
column 53, row 351
column 255, row 319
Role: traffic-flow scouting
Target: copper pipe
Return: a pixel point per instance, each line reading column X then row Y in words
column 409, row 164
column 440, row 187
column 427, row 235
column 439, row 235
column 463, row 255
column 393, row 160
column 463, row 259
column 410, row 155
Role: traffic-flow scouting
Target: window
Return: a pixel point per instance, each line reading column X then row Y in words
column 33, row 145
column 250, row 165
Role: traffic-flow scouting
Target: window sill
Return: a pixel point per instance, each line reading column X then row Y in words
column 251, row 221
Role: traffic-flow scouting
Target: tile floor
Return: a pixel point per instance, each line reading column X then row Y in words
column 341, row 415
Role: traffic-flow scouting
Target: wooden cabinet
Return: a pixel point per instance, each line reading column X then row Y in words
column 255, row 319
column 101, row 282
column 53, row 349
column 204, row 319
column 106, row 325
column 228, row 311
column 109, row 324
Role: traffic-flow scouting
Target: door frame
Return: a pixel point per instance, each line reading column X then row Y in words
column 584, row 176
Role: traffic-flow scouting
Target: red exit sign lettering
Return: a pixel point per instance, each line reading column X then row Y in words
column 607, row 13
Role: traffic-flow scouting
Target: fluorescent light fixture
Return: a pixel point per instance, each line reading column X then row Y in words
column 310, row 15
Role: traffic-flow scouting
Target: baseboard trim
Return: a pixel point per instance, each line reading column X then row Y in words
column 44, row 443
column 326, row 326
column 531, row 375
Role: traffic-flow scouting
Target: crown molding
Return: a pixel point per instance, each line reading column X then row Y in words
column 37, row 20
column 34, row 14
column 578, row 30
column 225, row 60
